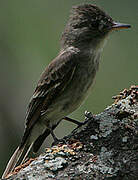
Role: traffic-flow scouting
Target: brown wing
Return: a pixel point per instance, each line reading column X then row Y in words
column 53, row 81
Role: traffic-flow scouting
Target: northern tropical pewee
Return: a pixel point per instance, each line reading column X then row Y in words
column 68, row 79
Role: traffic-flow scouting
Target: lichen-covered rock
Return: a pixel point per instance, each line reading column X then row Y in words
column 105, row 147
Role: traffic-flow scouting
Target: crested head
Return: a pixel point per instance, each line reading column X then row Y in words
column 87, row 23
column 92, row 17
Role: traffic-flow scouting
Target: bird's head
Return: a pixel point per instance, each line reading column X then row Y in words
column 88, row 24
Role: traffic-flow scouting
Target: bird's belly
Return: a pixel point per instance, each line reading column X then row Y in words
column 78, row 92
column 71, row 98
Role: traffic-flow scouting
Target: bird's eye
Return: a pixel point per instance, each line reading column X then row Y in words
column 95, row 24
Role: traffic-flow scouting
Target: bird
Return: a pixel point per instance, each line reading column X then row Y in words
column 67, row 80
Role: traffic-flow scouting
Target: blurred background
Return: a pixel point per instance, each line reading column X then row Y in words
column 29, row 39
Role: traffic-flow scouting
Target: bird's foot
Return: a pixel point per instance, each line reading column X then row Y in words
column 59, row 141
column 56, row 140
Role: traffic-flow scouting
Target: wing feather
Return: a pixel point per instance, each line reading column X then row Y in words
column 53, row 81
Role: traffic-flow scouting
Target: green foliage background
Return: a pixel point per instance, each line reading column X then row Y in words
column 30, row 31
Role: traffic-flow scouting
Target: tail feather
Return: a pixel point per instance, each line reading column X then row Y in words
column 22, row 151
column 13, row 161
column 26, row 154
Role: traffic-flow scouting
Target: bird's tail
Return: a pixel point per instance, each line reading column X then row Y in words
column 22, row 151
column 15, row 159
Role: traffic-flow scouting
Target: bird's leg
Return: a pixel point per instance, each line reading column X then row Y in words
column 54, row 136
column 56, row 140
column 74, row 121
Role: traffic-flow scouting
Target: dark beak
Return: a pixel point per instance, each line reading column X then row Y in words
column 117, row 26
